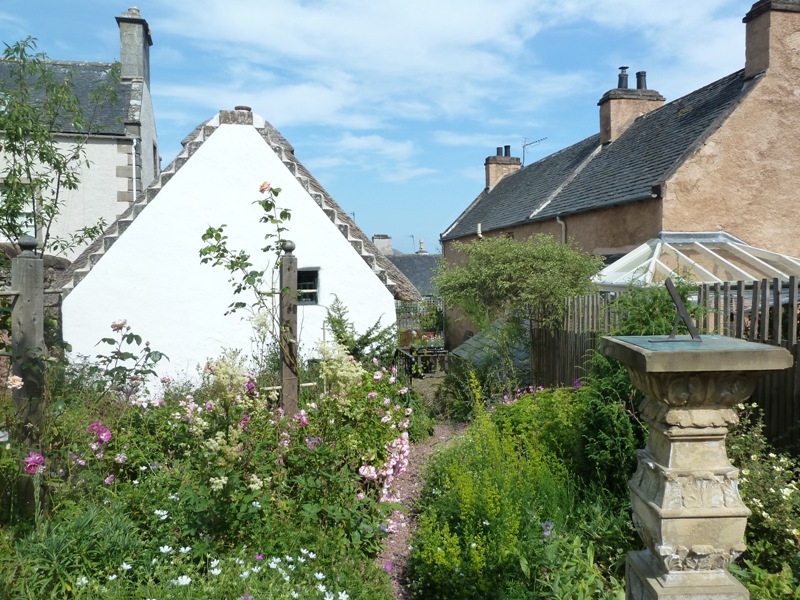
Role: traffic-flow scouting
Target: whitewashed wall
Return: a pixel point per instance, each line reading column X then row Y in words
column 96, row 195
column 152, row 276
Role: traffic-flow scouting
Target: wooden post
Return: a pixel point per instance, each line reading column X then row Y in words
column 27, row 340
column 27, row 352
column 288, row 321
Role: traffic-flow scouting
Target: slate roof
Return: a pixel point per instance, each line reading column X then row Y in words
column 419, row 268
column 589, row 176
column 105, row 118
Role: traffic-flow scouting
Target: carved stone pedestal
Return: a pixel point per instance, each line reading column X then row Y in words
column 685, row 494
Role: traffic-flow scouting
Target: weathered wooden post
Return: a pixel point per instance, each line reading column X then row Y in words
column 27, row 351
column 27, row 340
column 288, row 329
column 685, row 494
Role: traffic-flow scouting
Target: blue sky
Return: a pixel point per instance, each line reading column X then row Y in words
column 394, row 105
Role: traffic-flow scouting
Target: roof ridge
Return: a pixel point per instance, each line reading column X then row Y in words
column 397, row 283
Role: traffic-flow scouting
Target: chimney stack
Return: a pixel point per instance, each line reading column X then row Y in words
column 500, row 165
column 622, row 106
column 134, row 45
column 767, row 44
column 383, row 243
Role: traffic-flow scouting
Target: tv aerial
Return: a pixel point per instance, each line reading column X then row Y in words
column 526, row 143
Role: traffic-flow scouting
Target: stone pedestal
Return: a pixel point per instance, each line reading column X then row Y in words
column 685, row 494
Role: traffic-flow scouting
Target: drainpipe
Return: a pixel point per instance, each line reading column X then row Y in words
column 480, row 232
column 563, row 229
column 133, row 175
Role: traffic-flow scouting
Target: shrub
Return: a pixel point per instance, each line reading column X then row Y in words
column 769, row 484
column 500, row 518
column 216, row 473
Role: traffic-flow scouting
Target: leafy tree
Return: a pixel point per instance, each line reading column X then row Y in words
column 516, row 280
column 35, row 167
column 523, row 283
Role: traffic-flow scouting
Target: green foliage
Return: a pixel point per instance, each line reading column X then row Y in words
column 528, row 279
column 548, row 420
column 36, row 167
column 650, row 310
column 769, row 483
column 502, row 518
column 244, row 276
column 780, row 585
column 459, row 393
column 611, row 429
column 123, row 370
column 198, row 484
column 376, row 342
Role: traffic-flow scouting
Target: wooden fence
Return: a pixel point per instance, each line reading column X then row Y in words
column 763, row 311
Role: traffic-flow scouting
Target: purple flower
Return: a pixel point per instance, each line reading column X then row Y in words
column 259, row 557
column 547, row 526
column 388, row 567
column 34, row 463
column 577, row 384
column 302, row 418
column 110, row 479
column 104, row 435
column 313, row 442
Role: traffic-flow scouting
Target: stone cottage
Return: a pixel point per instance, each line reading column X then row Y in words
column 720, row 159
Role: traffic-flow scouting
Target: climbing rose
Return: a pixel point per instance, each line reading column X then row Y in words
column 15, row 382
column 265, row 187
column 119, row 325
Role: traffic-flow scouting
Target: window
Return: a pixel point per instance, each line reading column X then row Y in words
column 307, row 286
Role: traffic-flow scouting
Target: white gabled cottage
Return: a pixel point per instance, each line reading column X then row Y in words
column 147, row 268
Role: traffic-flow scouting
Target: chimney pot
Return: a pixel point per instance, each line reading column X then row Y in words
column 499, row 151
column 507, row 151
column 641, row 80
column 242, row 107
column 622, row 80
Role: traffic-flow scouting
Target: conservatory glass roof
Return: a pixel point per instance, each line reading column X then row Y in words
column 696, row 257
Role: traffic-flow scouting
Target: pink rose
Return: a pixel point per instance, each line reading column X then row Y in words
column 119, row 325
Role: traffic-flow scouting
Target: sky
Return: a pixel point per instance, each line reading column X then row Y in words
column 395, row 105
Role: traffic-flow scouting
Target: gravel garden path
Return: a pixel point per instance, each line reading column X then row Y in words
column 408, row 486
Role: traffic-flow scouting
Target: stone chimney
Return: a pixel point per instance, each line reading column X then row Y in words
column 621, row 106
column 134, row 45
column 770, row 25
column 421, row 248
column 500, row 165
column 383, row 243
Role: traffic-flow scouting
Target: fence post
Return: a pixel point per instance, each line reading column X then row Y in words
column 288, row 330
column 27, row 339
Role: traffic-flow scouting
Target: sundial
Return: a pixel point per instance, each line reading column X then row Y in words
column 681, row 314
column 688, row 353
column 684, row 495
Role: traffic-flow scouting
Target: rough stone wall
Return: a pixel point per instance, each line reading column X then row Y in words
column 744, row 179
